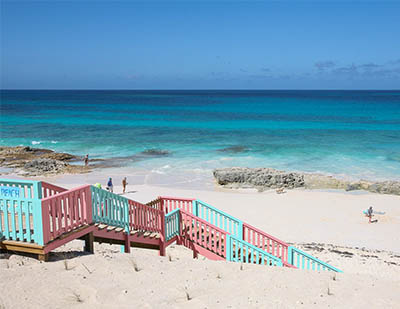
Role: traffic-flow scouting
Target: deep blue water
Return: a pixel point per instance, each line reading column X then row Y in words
column 355, row 133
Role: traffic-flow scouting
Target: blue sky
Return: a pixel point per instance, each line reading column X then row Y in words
column 200, row 45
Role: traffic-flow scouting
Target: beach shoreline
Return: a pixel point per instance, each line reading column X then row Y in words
column 25, row 161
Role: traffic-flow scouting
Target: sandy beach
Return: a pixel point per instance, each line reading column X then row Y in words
column 328, row 225
column 259, row 141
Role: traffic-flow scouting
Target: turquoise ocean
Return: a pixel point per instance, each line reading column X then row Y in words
column 353, row 134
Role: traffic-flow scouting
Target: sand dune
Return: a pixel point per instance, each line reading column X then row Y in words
column 108, row 279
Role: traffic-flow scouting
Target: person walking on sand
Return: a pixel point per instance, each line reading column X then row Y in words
column 110, row 185
column 369, row 214
column 86, row 160
column 124, row 183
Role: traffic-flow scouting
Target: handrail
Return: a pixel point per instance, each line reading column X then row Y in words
column 265, row 241
column 303, row 260
column 66, row 211
column 203, row 233
column 157, row 204
column 172, row 224
column 250, row 254
column 20, row 219
column 49, row 189
column 27, row 188
column 170, row 203
column 110, row 208
column 144, row 218
column 219, row 218
column 61, row 194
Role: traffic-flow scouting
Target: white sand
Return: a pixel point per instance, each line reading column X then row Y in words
column 371, row 277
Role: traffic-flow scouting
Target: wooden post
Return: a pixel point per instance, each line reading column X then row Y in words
column 127, row 245
column 43, row 257
column 179, row 238
column 195, row 255
column 162, row 236
column 89, row 239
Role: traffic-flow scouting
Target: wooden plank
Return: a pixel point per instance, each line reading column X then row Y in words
column 111, row 228
column 102, row 226
column 19, row 246
column 153, row 235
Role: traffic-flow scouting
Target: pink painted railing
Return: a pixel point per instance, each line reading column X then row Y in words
column 203, row 233
column 66, row 211
column 266, row 242
column 48, row 189
column 157, row 204
column 145, row 218
column 171, row 203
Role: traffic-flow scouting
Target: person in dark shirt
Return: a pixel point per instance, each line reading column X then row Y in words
column 369, row 214
column 110, row 185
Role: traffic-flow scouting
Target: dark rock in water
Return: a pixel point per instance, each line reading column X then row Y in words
column 233, row 149
column 155, row 152
column 258, row 178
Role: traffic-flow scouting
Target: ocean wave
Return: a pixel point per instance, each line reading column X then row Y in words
column 36, row 142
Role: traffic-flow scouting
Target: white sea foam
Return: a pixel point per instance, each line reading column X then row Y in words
column 54, row 142
column 157, row 171
column 36, row 142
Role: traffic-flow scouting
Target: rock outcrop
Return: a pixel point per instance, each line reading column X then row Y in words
column 45, row 166
column 258, row 178
column 268, row 178
column 36, row 161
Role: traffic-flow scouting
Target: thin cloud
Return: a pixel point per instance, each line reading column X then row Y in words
column 369, row 70
column 323, row 65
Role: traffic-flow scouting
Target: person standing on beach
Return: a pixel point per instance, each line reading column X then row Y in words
column 86, row 160
column 124, row 183
column 369, row 214
column 110, row 185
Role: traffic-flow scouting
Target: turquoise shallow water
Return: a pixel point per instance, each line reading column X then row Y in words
column 345, row 133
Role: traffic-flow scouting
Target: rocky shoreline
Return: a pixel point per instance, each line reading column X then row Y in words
column 27, row 161
column 268, row 178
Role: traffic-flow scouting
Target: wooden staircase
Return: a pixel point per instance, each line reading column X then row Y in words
column 42, row 217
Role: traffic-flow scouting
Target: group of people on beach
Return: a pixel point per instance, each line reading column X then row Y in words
column 110, row 186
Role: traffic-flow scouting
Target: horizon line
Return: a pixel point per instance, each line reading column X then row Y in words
column 176, row 89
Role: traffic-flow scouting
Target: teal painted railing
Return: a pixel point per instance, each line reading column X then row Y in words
column 27, row 188
column 241, row 251
column 110, row 208
column 219, row 218
column 303, row 260
column 172, row 223
column 20, row 211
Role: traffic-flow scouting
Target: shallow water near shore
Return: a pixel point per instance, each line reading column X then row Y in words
column 348, row 134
